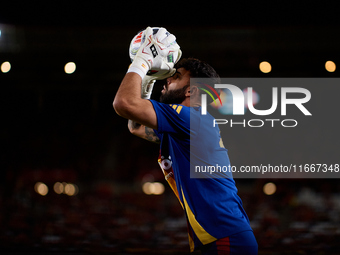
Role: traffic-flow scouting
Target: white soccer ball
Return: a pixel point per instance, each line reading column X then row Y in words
column 139, row 39
column 135, row 44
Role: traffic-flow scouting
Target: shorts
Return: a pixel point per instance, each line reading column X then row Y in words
column 243, row 243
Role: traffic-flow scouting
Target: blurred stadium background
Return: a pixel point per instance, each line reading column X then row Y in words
column 73, row 178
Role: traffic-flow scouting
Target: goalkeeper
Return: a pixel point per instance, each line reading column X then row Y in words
column 217, row 222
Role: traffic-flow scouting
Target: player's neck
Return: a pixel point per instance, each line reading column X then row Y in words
column 187, row 103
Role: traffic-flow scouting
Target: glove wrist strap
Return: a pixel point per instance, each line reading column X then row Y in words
column 133, row 69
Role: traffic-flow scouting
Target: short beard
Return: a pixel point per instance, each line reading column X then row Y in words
column 176, row 96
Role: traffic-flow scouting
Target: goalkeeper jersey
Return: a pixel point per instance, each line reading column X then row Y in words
column 212, row 207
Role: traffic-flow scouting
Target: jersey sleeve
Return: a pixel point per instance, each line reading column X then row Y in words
column 172, row 118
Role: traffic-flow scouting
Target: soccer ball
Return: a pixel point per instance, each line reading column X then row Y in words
column 139, row 39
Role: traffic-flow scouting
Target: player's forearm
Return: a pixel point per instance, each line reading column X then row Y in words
column 142, row 131
column 129, row 104
column 134, row 126
column 128, row 94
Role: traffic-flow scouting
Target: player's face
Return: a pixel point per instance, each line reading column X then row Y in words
column 175, row 89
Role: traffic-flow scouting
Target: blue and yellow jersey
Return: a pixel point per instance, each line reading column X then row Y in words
column 212, row 206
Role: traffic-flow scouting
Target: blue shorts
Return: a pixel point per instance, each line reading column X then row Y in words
column 243, row 243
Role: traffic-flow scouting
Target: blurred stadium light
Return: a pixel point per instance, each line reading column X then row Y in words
column 330, row 66
column 153, row 188
column 5, row 67
column 41, row 188
column 265, row 67
column 70, row 67
column 269, row 188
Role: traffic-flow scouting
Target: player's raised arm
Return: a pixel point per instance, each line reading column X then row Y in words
column 129, row 104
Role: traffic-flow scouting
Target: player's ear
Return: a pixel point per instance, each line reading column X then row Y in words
column 192, row 90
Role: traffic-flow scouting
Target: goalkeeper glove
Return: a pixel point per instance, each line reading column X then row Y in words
column 147, row 86
column 156, row 53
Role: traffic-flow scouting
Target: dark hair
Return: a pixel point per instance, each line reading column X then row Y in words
column 199, row 69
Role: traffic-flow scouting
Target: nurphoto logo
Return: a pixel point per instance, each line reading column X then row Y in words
column 239, row 102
